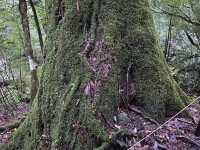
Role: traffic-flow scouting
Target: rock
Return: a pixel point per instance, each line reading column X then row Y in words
column 123, row 118
column 139, row 124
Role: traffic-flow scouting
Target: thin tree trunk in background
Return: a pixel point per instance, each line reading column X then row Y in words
column 28, row 47
column 37, row 26
column 168, row 41
column 23, row 45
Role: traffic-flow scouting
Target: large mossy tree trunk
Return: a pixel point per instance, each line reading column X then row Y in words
column 99, row 51
column 196, row 11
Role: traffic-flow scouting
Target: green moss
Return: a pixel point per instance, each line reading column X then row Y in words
column 135, row 42
column 62, row 112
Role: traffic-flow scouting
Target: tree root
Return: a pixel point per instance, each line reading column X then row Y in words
column 143, row 115
column 104, row 146
column 14, row 124
column 118, row 141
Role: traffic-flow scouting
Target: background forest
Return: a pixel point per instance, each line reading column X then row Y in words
column 23, row 53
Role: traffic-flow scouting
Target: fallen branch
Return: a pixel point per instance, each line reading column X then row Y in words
column 185, row 121
column 188, row 140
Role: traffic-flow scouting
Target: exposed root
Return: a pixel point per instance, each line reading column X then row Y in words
column 143, row 115
column 104, row 146
column 14, row 124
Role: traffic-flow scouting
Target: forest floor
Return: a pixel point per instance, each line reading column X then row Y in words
column 10, row 119
column 175, row 135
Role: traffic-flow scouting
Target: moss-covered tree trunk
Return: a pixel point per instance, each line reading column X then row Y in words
column 100, row 52
column 196, row 9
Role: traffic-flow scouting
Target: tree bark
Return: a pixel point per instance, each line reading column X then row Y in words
column 28, row 47
column 196, row 29
column 98, row 51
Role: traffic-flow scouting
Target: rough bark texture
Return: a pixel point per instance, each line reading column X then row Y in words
column 196, row 9
column 93, row 47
